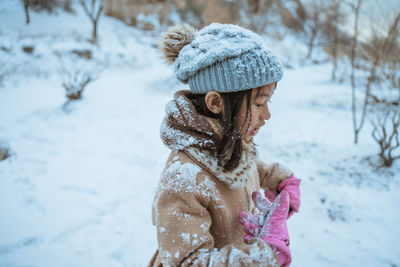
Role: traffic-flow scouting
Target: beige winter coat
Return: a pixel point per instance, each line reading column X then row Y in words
column 197, row 204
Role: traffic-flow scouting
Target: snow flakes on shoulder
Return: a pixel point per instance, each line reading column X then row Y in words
column 182, row 177
column 209, row 189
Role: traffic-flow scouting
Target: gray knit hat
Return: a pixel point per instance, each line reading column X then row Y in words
column 220, row 57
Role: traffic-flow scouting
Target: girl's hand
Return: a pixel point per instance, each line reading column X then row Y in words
column 271, row 175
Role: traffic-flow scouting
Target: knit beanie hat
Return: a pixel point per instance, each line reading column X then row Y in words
column 219, row 57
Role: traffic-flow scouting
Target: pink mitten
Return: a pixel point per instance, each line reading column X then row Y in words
column 252, row 223
column 274, row 230
column 292, row 186
column 270, row 225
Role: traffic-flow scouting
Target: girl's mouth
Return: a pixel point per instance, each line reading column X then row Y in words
column 254, row 131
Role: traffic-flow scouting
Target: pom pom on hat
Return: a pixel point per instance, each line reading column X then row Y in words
column 174, row 39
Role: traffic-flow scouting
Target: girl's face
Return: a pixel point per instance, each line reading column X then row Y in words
column 259, row 111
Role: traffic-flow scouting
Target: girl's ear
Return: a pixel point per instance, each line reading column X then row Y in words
column 214, row 102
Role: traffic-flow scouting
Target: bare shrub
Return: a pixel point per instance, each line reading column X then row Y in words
column 76, row 82
column 318, row 24
column 292, row 13
column 77, row 73
column 257, row 14
column 370, row 57
column 383, row 91
column 380, row 50
column 45, row 5
column 93, row 9
column 26, row 4
column 383, row 54
column 337, row 39
column 386, row 127
column 312, row 31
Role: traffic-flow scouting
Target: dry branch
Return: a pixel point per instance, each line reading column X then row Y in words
column 93, row 11
column 357, row 128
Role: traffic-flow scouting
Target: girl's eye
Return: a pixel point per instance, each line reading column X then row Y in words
column 258, row 105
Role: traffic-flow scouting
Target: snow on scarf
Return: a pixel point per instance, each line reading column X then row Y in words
column 185, row 129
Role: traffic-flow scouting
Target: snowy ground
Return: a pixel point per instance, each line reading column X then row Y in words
column 78, row 188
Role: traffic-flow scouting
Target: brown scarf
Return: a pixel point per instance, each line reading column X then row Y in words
column 183, row 128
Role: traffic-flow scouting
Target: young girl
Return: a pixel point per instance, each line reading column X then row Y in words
column 203, row 207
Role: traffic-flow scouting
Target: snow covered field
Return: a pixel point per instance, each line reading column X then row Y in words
column 78, row 188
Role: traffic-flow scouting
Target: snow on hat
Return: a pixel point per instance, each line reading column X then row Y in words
column 220, row 57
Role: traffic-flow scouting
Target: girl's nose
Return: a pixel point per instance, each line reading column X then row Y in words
column 266, row 114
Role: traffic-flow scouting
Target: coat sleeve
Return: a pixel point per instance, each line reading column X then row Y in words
column 183, row 231
column 272, row 174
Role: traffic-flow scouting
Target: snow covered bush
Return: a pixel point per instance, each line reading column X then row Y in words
column 76, row 72
column 377, row 60
column 383, row 91
column 386, row 130
column 76, row 82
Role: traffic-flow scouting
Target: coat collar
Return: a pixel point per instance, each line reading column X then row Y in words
column 234, row 179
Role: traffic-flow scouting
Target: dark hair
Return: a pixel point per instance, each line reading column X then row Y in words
column 229, row 146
